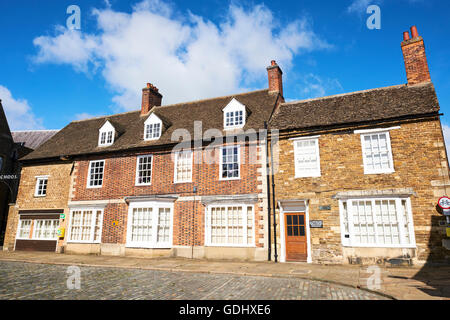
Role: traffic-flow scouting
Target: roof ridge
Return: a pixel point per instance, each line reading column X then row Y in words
column 208, row 99
column 155, row 108
column 107, row 116
column 41, row 130
column 345, row 94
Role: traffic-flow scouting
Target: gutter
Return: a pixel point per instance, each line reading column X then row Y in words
column 273, row 207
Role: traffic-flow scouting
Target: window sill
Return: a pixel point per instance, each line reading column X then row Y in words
column 42, row 196
column 95, row 187
column 229, row 179
column 180, row 182
column 379, row 172
column 147, row 246
column 233, row 128
column 231, row 245
column 308, row 176
column 143, row 184
column 399, row 246
column 83, row 242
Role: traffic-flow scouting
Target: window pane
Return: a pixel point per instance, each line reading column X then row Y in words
column 85, row 225
column 163, row 225
column 141, row 225
column 144, row 170
column 376, row 152
column 25, row 227
column 376, row 222
column 306, row 157
column 227, row 225
column 230, row 162
column 96, row 173
column 183, row 170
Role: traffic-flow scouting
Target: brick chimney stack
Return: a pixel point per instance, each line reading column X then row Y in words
column 415, row 59
column 150, row 98
column 275, row 78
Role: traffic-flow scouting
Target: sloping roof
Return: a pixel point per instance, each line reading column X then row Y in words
column 81, row 137
column 361, row 106
column 4, row 127
column 32, row 138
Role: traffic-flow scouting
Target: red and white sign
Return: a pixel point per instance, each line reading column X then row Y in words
column 444, row 203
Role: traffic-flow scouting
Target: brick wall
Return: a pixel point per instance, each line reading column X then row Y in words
column 120, row 175
column 420, row 163
column 189, row 213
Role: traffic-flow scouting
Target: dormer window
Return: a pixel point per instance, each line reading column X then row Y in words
column 152, row 131
column 153, row 127
column 234, row 115
column 106, row 135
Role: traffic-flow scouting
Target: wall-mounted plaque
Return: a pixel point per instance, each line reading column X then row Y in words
column 316, row 224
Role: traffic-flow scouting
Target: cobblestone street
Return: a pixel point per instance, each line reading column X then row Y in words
column 26, row 281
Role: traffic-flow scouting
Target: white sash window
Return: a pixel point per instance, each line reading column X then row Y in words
column 230, row 225
column 150, row 225
column 85, row 225
column 383, row 222
column 306, row 157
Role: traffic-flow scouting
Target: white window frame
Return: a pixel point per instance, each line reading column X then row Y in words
column 303, row 173
column 349, row 242
column 175, row 180
column 33, row 237
column 89, row 174
column 93, row 219
column 151, row 121
column 137, row 170
column 234, row 106
column 36, row 188
column 106, row 129
column 18, row 237
column 155, row 205
column 221, row 163
column 364, row 133
column 208, row 223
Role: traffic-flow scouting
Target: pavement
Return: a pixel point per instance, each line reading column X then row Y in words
column 427, row 282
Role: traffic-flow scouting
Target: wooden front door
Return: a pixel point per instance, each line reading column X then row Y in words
column 295, row 235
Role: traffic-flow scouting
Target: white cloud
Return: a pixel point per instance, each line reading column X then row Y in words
column 186, row 57
column 314, row 86
column 359, row 6
column 18, row 112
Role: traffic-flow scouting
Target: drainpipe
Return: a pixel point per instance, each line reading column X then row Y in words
column 269, row 258
column 273, row 206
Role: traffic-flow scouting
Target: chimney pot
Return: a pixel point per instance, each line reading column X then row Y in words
column 148, row 85
column 406, row 36
column 273, row 63
column 414, row 32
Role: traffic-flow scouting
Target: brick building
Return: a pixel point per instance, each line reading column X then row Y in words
column 359, row 174
column 186, row 180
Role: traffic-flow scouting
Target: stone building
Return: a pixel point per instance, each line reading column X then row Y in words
column 358, row 175
column 23, row 142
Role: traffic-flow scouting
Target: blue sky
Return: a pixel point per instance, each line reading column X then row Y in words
column 198, row 49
